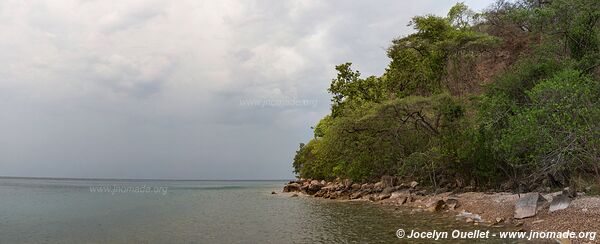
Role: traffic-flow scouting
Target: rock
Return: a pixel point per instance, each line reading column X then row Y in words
column 388, row 190
column 537, row 221
column 291, row 187
column 469, row 188
column 402, row 200
column 273, row 192
column 378, row 186
column 295, row 195
column 320, row 193
column 467, row 215
column 435, row 206
column 528, row 205
column 440, row 190
column 355, row 186
column 414, row 184
column 559, row 202
column 499, row 220
column 306, row 182
column 323, row 182
column 452, row 203
column 382, row 196
column 356, row 195
column 367, row 186
column 388, row 181
column 469, row 220
column 314, row 187
column 584, row 210
column 347, row 183
column 399, row 194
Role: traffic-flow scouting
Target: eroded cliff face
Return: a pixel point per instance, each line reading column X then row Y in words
column 469, row 72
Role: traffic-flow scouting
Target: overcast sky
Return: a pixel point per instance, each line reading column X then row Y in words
column 179, row 89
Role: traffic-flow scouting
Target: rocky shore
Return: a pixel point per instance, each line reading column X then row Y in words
column 556, row 211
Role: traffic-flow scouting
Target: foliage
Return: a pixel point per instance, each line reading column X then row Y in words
column 558, row 132
column 537, row 124
column 418, row 61
column 349, row 90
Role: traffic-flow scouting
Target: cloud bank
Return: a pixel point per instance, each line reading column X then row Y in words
column 179, row 89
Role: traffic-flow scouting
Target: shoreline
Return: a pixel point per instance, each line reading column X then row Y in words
column 490, row 209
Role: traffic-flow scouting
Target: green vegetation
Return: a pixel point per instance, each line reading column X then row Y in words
column 506, row 98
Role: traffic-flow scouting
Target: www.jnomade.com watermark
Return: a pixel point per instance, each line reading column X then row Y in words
column 278, row 102
column 480, row 234
column 117, row 189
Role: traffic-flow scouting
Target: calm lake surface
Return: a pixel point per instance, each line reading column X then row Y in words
column 74, row 211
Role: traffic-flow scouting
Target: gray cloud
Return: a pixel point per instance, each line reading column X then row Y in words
column 179, row 89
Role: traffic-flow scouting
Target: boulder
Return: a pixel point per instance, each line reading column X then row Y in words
column 356, row 195
column 304, row 189
column 314, row 186
column 396, row 194
column 382, row 196
column 355, row 186
column 367, row 186
column 388, row 190
column 435, row 206
column 401, row 200
column 344, row 196
column 291, row 187
column 399, row 194
column 414, row 184
column 347, row 183
column 528, row 205
column 295, row 195
column 388, row 181
column 467, row 215
column 452, row 203
column 273, row 192
column 378, row 186
column 328, row 188
column 559, row 202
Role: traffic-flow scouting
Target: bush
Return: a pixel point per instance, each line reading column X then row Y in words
column 557, row 134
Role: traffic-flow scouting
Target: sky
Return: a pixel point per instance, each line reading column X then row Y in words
column 181, row 89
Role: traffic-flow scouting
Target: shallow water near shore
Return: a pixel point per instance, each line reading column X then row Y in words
column 74, row 211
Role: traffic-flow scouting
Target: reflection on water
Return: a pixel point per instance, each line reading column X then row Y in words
column 65, row 211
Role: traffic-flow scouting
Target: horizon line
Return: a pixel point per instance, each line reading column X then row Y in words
column 131, row 179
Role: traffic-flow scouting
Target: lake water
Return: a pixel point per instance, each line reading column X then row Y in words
column 125, row 211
